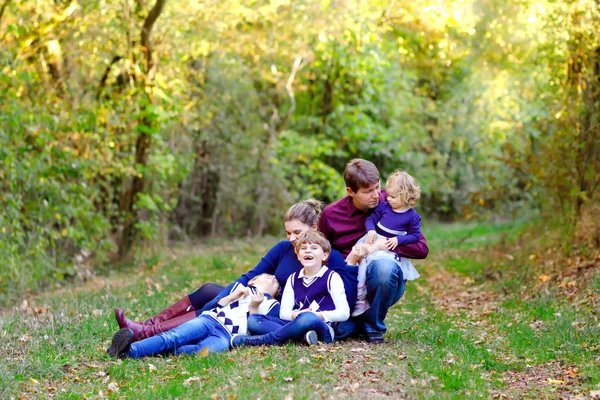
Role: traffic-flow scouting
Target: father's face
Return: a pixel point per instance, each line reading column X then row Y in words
column 365, row 198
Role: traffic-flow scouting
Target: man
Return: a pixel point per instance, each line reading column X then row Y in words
column 343, row 223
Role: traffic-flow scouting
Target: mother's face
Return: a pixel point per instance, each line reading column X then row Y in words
column 295, row 228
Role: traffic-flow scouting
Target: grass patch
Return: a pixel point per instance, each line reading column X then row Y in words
column 455, row 333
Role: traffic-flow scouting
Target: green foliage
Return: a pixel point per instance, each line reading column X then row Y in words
column 491, row 105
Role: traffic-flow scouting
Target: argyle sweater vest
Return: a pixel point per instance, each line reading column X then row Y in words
column 314, row 295
column 234, row 316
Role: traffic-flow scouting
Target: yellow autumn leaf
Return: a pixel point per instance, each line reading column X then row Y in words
column 544, row 278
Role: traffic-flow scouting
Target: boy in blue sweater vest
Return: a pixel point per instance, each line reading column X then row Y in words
column 312, row 304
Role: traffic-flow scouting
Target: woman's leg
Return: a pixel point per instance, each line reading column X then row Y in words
column 191, row 332
column 213, row 302
column 204, row 295
column 259, row 324
column 292, row 331
column 217, row 341
column 184, row 306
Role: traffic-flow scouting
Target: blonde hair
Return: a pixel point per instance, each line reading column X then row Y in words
column 400, row 184
column 313, row 237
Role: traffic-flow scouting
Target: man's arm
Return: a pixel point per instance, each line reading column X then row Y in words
column 416, row 251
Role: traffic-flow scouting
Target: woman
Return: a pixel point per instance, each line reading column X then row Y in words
column 280, row 261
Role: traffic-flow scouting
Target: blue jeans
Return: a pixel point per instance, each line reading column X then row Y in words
column 274, row 330
column 385, row 286
column 189, row 338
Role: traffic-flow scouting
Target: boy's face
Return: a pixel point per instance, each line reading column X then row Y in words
column 266, row 284
column 365, row 198
column 311, row 255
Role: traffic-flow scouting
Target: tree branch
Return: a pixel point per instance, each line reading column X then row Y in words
column 3, row 9
column 147, row 29
column 290, row 90
column 105, row 76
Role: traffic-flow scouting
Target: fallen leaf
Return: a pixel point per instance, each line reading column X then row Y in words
column 357, row 349
column 554, row 381
column 544, row 278
column 97, row 313
column 402, row 356
column 203, row 352
column 151, row 367
column 189, row 381
column 113, row 387
column 288, row 379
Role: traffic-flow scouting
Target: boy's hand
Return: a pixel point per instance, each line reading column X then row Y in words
column 371, row 236
column 240, row 292
column 391, row 243
column 256, row 299
column 298, row 312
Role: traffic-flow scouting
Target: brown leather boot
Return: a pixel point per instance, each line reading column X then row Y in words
column 183, row 306
column 146, row 331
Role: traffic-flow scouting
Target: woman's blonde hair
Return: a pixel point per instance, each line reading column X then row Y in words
column 400, row 184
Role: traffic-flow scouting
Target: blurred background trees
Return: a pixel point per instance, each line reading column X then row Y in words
column 124, row 124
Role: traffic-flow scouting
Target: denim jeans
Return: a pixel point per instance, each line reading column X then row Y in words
column 385, row 286
column 274, row 330
column 189, row 338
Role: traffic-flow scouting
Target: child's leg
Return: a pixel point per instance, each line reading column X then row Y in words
column 361, row 304
column 217, row 341
column 259, row 324
column 292, row 331
column 191, row 332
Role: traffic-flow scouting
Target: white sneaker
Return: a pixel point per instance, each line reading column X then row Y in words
column 360, row 307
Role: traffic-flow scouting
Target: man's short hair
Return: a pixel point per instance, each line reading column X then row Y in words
column 313, row 237
column 360, row 173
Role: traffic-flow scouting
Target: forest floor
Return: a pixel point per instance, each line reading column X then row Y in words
column 492, row 316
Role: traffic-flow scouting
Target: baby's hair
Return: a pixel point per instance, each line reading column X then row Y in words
column 306, row 211
column 400, row 184
column 315, row 237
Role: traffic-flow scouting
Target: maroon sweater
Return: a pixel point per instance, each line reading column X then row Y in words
column 343, row 224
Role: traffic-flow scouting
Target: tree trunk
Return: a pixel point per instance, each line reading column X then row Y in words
column 143, row 142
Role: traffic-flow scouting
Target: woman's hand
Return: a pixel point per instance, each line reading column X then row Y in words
column 357, row 253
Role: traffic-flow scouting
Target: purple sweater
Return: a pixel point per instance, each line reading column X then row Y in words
column 406, row 226
column 343, row 224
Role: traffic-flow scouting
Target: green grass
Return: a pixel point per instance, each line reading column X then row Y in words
column 455, row 333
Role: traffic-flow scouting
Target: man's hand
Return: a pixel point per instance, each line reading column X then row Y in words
column 371, row 236
column 391, row 243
